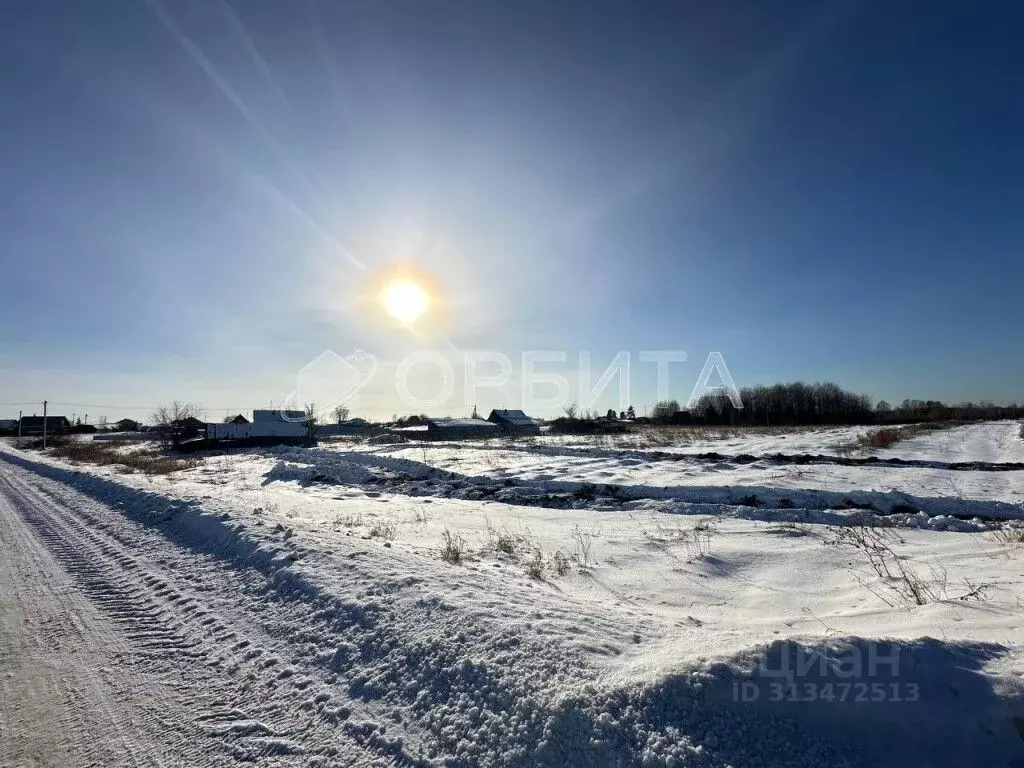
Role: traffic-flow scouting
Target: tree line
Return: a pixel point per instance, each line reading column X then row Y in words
column 820, row 403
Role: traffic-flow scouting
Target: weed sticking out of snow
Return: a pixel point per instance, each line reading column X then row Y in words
column 507, row 543
column 1011, row 538
column 790, row 529
column 535, row 564
column 902, row 582
column 349, row 521
column 696, row 539
column 453, row 547
column 562, row 562
column 382, row 529
column 584, row 541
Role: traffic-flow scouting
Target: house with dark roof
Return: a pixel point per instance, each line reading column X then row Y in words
column 126, row 425
column 188, row 423
column 33, row 425
column 514, row 421
column 184, row 429
column 460, row 429
column 355, row 426
column 239, row 419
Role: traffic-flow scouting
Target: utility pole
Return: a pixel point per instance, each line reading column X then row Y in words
column 19, row 429
column 44, row 425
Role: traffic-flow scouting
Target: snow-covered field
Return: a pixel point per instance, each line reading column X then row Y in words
column 604, row 602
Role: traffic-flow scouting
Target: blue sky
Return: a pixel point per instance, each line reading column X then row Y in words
column 198, row 198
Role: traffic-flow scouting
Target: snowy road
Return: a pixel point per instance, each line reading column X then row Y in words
column 121, row 649
column 62, row 703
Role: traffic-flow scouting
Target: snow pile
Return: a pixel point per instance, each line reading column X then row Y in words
column 339, row 472
column 844, row 701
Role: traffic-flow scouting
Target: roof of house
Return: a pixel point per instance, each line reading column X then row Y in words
column 127, row 421
column 511, row 416
column 37, row 421
column 239, row 419
column 450, row 423
column 191, row 421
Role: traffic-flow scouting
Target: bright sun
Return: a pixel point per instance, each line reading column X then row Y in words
column 404, row 300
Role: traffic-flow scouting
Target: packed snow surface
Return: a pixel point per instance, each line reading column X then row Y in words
column 537, row 602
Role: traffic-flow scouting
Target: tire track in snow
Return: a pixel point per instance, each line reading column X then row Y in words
column 413, row 677
column 228, row 683
column 68, row 715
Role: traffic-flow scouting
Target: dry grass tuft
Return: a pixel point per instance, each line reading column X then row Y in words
column 106, row 454
column 1011, row 538
column 886, row 437
column 903, row 584
column 382, row 530
column 535, row 565
column 453, row 547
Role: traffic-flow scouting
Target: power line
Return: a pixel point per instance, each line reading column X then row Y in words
column 364, row 409
column 108, row 407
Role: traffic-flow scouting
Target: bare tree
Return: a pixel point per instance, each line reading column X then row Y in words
column 174, row 411
column 665, row 410
column 340, row 413
column 168, row 418
column 311, row 420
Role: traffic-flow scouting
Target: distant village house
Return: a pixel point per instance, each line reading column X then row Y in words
column 33, row 425
column 460, row 429
column 514, row 421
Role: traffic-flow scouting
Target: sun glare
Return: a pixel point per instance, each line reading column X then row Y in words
column 404, row 300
